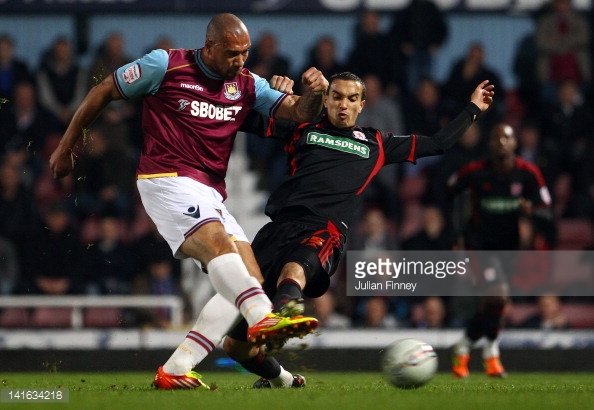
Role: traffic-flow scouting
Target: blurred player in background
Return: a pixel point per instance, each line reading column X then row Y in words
column 194, row 101
column 498, row 190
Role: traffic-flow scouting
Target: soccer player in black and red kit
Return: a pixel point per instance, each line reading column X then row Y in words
column 331, row 162
column 501, row 189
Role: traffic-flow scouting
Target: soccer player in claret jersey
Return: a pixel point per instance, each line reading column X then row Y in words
column 501, row 189
column 331, row 162
column 194, row 101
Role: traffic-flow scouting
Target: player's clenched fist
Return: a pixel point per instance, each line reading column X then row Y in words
column 282, row 83
column 315, row 80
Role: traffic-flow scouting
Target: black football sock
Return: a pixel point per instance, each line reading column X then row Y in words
column 474, row 327
column 493, row 321
column 264, row 366
column 287, row 290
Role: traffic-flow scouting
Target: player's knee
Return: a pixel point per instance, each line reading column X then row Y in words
column 208, row 244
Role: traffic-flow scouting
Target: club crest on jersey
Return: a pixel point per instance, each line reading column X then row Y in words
column 359, row 135
column 231, row 91
column 131, row 74
column 516, row 189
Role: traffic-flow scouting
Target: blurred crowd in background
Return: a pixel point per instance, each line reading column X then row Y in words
column 88, row 234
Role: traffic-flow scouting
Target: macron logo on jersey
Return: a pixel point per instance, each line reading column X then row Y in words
column 192, row 86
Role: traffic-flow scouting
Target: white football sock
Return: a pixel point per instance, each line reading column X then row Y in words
column 284, row 379
column 463, row 346
column 231, row 279
column 216, row 319
column 490, row 349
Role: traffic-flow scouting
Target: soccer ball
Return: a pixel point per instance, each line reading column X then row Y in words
column 409, row 363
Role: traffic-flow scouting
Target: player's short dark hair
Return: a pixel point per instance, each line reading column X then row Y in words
column 347, row 76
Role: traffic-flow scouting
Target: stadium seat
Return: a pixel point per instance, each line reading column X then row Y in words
column 14, row 317
column 574, row 234
column 519, row 312
column 48, row 317
column 579, row 315
column 103, row 317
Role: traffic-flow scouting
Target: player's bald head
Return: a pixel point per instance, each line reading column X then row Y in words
column 223, row 25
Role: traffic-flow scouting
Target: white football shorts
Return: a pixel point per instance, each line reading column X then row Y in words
column 179, row 206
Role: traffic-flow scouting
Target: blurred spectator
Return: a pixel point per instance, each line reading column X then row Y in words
column 109, row 261
column 425, row 115
column 61, row 81
column 117, row 119
column 9, row 267
column 369, row 56
column 110, row 55
column 48, row 189
column 104, row 178
column 567, row 122
column 435, row 235
column 267, row 156
column 374, row 235
column 55, row 254
column 464, row 74
column 147, row 245
column 381, row 111
column 26, row 124
column 580, row 203
column 419, row 30
column 324, row 309
column 429, row 314
column 562, row 37
column 160, row 278
column 376, row 313
column 543, row 153
column 322, row 56
column 163, row 42
column 384, row 113
column 264, row 58
column 18, row 211
column 550, row 314
column 12, row 70
column 525, row 69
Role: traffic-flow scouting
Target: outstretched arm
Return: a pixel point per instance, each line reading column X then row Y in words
column 307, row 107
column 480, row 101
column 62, row 159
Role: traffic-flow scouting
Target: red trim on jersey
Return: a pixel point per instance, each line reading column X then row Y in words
column 270, row 128
column 413, row 149
column 290, row 148
column 473, row 166
column 521, row 163
column 378, row 165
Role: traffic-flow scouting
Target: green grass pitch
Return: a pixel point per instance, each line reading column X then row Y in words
column 326, row 391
